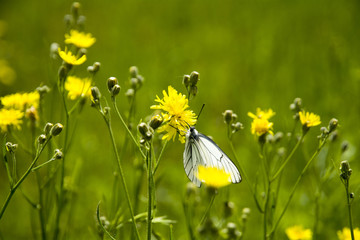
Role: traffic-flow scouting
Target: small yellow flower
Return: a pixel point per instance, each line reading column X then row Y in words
column 298, row 233
column 78, row 87
column 177, row 117
column 10, row 117
column 71, row 59
column 79, row 39
column 262, row 114
column 21, row 101
column 346, row 235
column 213, row 177
column 309, row 119
column 260, row 124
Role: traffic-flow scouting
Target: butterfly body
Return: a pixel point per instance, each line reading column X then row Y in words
column 200, row 150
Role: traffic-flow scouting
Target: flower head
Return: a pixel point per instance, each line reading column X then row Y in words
column 298, row 233
column 79, row 39
column 71, row 59
column 78, row 87
column 177, row 117
column 10, row 117
column 309, row 119
column 213, row 177
column 346, row 235
column 260, row 124
column 20, row 101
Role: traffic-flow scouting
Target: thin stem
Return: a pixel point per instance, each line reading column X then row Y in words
column 349, row 208
column 108, row 123
column 252, row 190
column 150, row 197
column 126, row 127
column 288, row 158
column 296, row 184
column 160, row 155
column 12, row 190
column 207, row 209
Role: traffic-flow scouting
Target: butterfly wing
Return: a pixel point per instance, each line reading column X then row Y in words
column 201, row 150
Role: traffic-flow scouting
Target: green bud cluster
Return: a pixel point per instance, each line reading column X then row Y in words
column 296, row 107
column 230, row 119
column 345, row 170
column 190, row 83
column 113, row 86
column 146, row 133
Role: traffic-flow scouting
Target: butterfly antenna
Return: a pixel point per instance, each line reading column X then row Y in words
column 202, row 107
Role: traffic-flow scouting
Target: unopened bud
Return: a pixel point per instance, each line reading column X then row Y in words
column 95, row 93
column 82, row 52
column 75, row 9
column 54, row 50
column 43, row 89
column 32, row 114
column 352, row 195
column 11, row 147
column 143, row 128
column 333, row 124
column 345, row 170
column 90, row 69
column 96, row 66
column 56, row 129
column 134, row 82
column 41, row 139
column 47, row 128
column 111, row 82
column 236, row 127
column 193, row 90
column 81, row 21
column 68, row 19
column 115, row 90
column 228, row 116
column 58, row 154
column 194, row 78
column 130, row 93
column 155, row 122
column 186, row 80
column 278, row 136
column 140, row 79
column 133, row 71
column 62, row 73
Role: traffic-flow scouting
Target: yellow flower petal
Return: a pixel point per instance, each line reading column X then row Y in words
column 71, row 59
column 213, row 177
column 10, row 117
column 78, row 87
column 79, row 39
column 309, row 119
column 298, row 233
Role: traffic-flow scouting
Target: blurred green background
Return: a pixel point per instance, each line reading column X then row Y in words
column 249, row 54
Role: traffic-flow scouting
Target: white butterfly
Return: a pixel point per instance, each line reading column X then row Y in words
column 200, row 150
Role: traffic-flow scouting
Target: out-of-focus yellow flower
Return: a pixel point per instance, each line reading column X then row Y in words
column 177, row 117
column 10, row 117
column 79, row 39
column 213, row 177
column 345, row 234
column 7, row 74
column 71, row 59
column 78, row 87
column 309, row 119
column 298, row 233
column 260, row 124
column 21, row 101
column 262, row 114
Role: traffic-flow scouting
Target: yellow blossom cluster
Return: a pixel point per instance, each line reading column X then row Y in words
column 261, row 124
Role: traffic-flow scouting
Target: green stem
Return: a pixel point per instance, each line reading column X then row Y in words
column 127, row 129
column 149, row 216
column 296, row 184
column 349, row 209
column 108, row 123
column 13, row 189
column 207, row 209
column 266, row 206
column 288, row 158
column 253, row 192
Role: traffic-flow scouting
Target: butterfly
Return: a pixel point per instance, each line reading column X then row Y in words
column 200, row 150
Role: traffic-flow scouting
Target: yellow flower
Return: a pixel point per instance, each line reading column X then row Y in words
column 21, row 101
column 176, row 117
column 78, row 87
column 346, row 235
column 213, row 177
column 298, row 233
column 309, row 119
column 79, row 39
column 262, row 114
column 260, row 124
column 71, row 59
column 10, row 117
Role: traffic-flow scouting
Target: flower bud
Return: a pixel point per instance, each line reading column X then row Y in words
column 140, row 80
column 47, row 128
column 75, row 9
column 95, row 93
column 82, row 52
column 62, row 73
column 278, row 136
column 156, row 121
column 81, row 21
column 41, row 139
column 11, row 147
column 345, row 170
column 236, row 127
column 134, row 83
column 90, row 69
column 68, row 19
column 133, row 71
column 333, row 124
column 54, row 50
column 143, row 128
column 193, row 90
column 234, row 116
column 228, row 116
column 56, row 129
column 194, row 78
column 96, row 66
column 333, row 136
column 130, row 93
column 186, row 80
column 58, row 154
column 352, row 195
column 115, row 90
column 43, row 89
column 111, row 82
